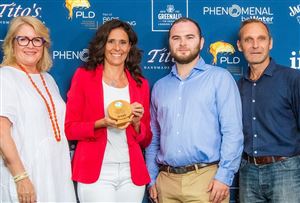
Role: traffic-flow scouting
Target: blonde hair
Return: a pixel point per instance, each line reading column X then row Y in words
column 45, row 62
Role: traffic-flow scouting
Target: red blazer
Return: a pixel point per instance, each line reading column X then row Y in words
column 84, row 107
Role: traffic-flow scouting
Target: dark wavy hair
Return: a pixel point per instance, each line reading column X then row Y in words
column 97, row 48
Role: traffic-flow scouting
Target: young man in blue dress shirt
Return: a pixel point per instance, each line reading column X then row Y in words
column 270, row 168
column 196, row 124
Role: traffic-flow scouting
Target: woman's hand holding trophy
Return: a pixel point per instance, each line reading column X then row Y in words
column 122, row 114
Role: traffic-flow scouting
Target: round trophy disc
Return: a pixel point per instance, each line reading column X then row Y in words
column 120, row 111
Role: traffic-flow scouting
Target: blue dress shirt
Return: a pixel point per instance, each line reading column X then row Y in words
column 271, row 112
column 196, row 120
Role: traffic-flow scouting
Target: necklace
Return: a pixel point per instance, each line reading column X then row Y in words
column 53, row 118
column 115, row 82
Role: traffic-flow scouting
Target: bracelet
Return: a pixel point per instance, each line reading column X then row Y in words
column 21, row 176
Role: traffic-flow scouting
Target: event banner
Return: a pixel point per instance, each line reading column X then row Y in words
column 73, row 23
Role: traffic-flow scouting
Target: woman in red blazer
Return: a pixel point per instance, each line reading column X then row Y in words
column 108, row 163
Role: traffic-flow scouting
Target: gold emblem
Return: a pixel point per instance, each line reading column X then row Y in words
column 120, row 111
column 220, row 47
column 70, row 4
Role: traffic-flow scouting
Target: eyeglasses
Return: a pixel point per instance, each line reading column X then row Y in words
column 24, row 41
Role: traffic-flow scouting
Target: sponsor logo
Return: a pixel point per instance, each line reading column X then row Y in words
column 80, row 4
column 295, row 60
column 85, row 15
column 295, row 12
column 220, row 47
column 71, row 55
column 164, row 14
column 226, row 58
column 80, row 10
column 169, row 15
column 11, row 10
column 110, row 16
column 159, row 56
column 264, row 14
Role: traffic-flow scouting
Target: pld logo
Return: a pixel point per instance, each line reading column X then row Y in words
column 295, row 60
column 221, row 47
column 71, row 4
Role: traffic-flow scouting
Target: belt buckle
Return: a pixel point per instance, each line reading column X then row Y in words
column 196, row 168
column 254, row 160
column 168, row 169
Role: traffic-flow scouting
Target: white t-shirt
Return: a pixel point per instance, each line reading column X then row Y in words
column 46, row 160
column 116, row 150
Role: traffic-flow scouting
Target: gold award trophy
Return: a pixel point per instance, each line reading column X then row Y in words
column 120, row 111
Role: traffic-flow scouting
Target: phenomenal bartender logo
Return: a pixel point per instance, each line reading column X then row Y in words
column 11, row 10
column 235, row 11
column 164, row 13
column 71, row 55
column 262, row 13
column 71, row 4
column 295, row 12
column 295, row 60
column 220, row 47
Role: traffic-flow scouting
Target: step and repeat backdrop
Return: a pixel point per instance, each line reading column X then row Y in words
column 73, row 23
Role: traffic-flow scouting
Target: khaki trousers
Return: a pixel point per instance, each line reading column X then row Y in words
column 190, row 187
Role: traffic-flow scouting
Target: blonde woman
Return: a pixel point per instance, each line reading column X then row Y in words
column 35, row 163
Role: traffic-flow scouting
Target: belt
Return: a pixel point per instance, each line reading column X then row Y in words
column 185, row 169
column 263, row 159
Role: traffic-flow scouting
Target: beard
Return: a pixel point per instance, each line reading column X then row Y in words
column 185, row 59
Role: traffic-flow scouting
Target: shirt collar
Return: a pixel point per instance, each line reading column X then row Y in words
column 268, row 71
column 200, row 65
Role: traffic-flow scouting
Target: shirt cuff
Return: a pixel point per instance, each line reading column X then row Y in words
column 225, row 176
column 151, row 184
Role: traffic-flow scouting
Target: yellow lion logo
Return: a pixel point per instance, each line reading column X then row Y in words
column 70, row 4
column 220, row 47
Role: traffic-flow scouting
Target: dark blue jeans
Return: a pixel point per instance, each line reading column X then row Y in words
column 278, row 182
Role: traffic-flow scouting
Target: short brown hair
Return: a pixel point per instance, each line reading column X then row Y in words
column 185, row 19
column 246, row 22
